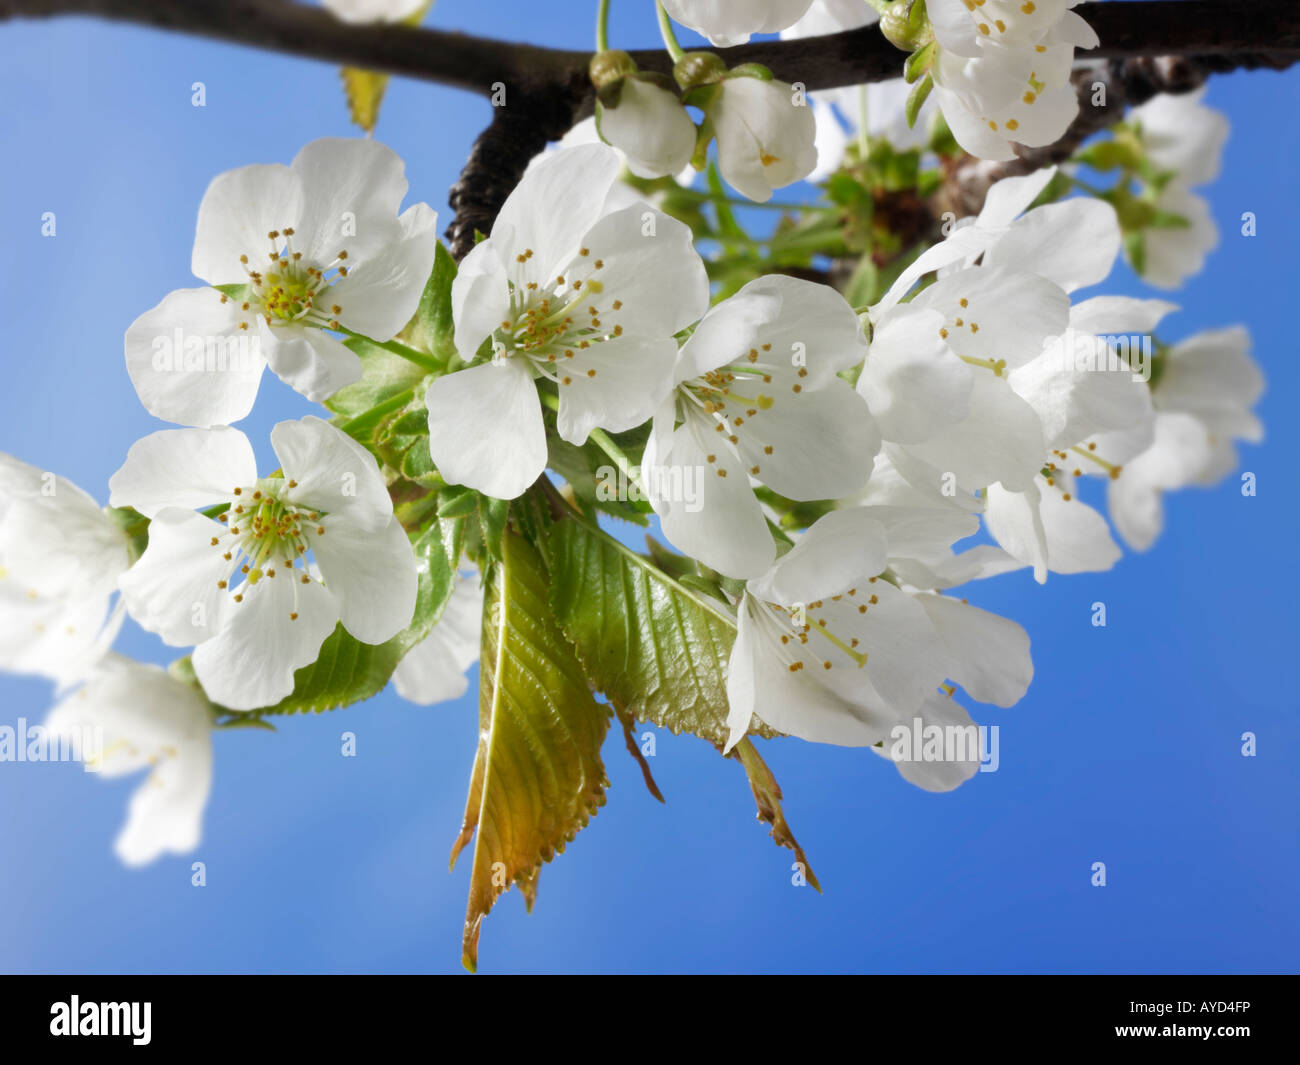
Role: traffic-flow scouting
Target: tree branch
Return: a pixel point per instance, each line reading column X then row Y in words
column 547, row 90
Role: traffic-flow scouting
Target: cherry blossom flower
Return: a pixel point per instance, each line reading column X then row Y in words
column 147, row 720
column 766, row 133
column 1002, row 73
column 363, row 11
column 649, row 125
column 568, row 293
column 1202, row 399
column 757, row 397
column 827, row 654
column 319, row 247
column 240, row 586
column 1181, row 136
column 728, row 22
column 60, row 559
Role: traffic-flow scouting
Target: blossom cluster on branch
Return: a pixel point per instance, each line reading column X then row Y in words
column 834, row 425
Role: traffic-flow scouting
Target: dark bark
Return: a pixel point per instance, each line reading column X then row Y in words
column 547, row 89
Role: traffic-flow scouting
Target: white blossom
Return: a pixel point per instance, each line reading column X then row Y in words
column 650, row 127
column 757, row 397
column 60, row 559
column 728, row 22
column 570, row 293
column 146, row 720
column 766, row 133
column 240, row 587
column 320, row 247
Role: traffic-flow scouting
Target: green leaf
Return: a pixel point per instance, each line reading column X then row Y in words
column 432, row 328
column 767, row 796
column 917, row 97
column 655, row 648
column 347, row 670
column 364, row 90
column 383, row 377
column 918, row 62
column 457, row 501
column 538, row 776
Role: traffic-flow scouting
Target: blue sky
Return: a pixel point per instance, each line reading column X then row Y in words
column 1126, row 750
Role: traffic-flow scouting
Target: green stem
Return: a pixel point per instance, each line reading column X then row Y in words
column 601, row 439
column 366, row 419
column 882, row 6
column 602, row 26
column 606, row 444
column 666, row 32
column 420, row 358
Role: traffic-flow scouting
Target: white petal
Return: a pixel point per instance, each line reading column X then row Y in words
column 839, row 549
column 308, row 360
column 1010, row 197
column 1004, row 314
column 649, row 265
column 250, row 663
column 988, row 654
column 1074, row 243
column 335, row 474
column 144, row 716
column 553, row 207
column 798, row 704
column 379, row 297
column 930, row 774
column 486, row 429
column 172, row 590
column 821, row 442
column 1000, row 440
column 370, row 573
column 191, row 363
column 186, row 468
column 912, row 381
column 766, row 139
column 632, row 377
column 707, row 508
column 480, row 294
column 238, row 210
column 352, row 188
column 651, row 127
column 433, row 671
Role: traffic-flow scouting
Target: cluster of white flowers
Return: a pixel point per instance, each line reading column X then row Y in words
column 981, row 398
column 257, row 579
column 999, row 69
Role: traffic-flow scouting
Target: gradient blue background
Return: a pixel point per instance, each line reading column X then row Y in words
column 1126, row 750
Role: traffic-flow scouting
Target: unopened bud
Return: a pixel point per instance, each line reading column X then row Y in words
column 699, row 68
column 610, row 66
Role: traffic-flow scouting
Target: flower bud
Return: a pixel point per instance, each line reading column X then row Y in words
column 699, row 68
column 610, row 66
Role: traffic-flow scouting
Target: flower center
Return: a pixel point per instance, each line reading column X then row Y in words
column 731, row 397
column 551, row 324
column 805, row 635
column 266, row 534
column 292, row 290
